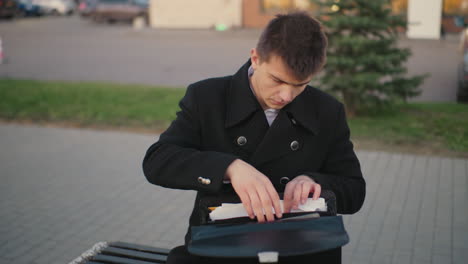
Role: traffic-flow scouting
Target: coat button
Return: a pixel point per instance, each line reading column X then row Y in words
column 284, row 180
column 204, row 181
column 293, row 121
column 294, row 145
column 241, row 141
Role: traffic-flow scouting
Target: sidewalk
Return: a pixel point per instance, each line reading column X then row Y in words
column 63, row 190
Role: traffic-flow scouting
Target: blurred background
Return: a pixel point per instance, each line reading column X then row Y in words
column 86, row 87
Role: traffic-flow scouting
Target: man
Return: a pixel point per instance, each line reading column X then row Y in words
column 260, row 132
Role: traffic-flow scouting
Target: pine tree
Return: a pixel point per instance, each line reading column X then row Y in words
column 365, row 68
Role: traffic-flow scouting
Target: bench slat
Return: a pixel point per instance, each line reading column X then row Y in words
column 134, row 254
column 163, row 251
column 118, row 260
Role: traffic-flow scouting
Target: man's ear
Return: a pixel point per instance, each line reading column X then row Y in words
column 254, row 58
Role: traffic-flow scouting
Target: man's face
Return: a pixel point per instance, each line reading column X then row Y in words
column 273, row 83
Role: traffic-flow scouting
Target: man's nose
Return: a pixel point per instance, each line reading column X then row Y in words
column 286, row 95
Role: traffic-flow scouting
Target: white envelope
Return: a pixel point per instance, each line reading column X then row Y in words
column 230, row 210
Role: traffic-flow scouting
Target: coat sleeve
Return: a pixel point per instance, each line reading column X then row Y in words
column 341, row 171
column 177, row 160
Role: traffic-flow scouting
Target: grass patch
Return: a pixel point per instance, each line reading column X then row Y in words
column 89, row 103
column 417, row 125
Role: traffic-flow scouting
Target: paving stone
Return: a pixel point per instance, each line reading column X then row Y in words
column 381, row 257
column 20, row 249
column 360, row 259
column 441, row 259
column 422, row 254
column 460, row 255
column 411, row 213
column 401, row 258
column 26, row 258
column 387, row 237
column 374, row 178
column 460, row 239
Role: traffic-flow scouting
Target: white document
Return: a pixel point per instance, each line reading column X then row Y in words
column 230, row 210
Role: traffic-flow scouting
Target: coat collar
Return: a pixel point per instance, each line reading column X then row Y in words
column 303, row 109
column 242, row 103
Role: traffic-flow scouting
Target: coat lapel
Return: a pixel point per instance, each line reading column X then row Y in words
column 293, row 124
column 246, row 118
column 244, row 115
column 246, row 136
column 240, row 101
column 277, row 140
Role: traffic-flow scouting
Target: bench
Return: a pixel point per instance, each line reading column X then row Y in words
column 122, row 253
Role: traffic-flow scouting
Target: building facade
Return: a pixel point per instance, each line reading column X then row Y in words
column 426, row 18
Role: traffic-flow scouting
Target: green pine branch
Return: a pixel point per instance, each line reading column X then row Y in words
column 365, row 68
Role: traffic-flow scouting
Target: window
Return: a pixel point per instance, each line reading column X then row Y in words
column 282, row 6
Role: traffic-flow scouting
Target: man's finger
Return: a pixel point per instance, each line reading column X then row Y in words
column 247, row 204
column 306, row 188
column 317, row 191
column 274, row 197
column 257, row 207
column 266, row 204
column 288, row 196
column 297, row 195
column 267, row 209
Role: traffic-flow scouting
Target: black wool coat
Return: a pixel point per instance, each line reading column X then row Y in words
column 310, row 136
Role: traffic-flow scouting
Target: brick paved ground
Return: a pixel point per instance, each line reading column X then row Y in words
column 63, row 190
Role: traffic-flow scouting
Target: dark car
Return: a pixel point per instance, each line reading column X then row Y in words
column 8, row 8
column 462, row 93
column 29, row 8
column 119, row 10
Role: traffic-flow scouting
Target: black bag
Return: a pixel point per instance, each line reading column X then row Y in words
column 293, row 235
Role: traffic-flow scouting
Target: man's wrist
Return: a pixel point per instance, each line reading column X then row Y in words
column 230, row 170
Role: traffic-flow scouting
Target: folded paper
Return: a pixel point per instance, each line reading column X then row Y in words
column 230, row 210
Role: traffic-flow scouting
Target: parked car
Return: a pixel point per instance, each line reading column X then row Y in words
column 119, row 10
column 85, row 7
column 462, row 92
column 29, row 8
column 8, row 8
column 56, row 7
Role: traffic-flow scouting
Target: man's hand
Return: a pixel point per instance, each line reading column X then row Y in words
column 255, row 191
column 297, row 191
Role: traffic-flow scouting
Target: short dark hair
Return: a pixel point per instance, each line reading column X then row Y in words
column 298, row 39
